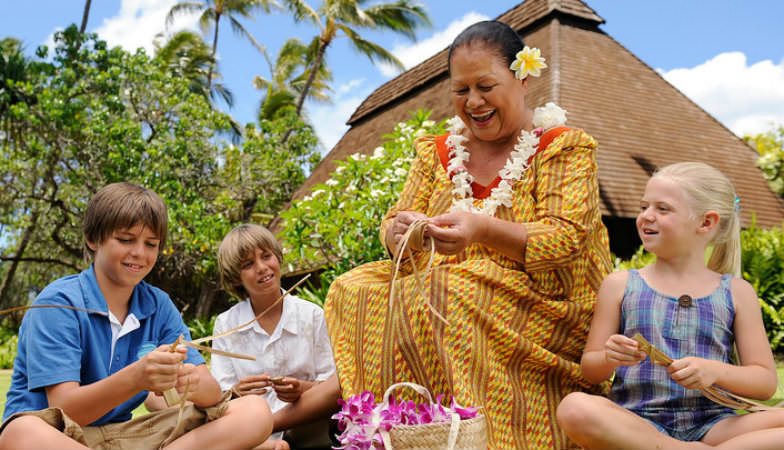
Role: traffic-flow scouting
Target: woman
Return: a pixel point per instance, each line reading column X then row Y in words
column 520, row 254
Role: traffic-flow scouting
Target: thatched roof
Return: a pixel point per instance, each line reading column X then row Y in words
column 640, row 121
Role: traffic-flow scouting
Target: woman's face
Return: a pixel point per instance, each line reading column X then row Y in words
column 487, row 96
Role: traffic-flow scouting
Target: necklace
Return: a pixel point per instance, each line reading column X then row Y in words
column 545, row 118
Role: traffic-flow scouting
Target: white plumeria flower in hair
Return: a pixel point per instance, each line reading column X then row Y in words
column 528, row 61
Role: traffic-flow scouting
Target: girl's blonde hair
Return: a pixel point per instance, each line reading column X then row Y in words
column 707, row 189
column 240, row 242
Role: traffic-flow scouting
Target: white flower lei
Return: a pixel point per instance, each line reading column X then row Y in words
column 545, row 118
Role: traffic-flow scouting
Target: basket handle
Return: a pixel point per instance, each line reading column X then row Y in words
column 454, row 428
column 421, row 390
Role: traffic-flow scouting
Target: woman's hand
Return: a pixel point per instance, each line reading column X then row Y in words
column 399, row 226
column 289, row 389
column 455, row 231
column 252, row 384
column 620, row 350
column 693, row 373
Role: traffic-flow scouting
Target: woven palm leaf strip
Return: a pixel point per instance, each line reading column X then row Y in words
column 715, row 393
column 414, row 238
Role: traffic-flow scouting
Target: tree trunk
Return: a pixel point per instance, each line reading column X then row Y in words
column 212, row 55
column 207, row 295
column 311, row 77
column 85, row 14
column 5, row 285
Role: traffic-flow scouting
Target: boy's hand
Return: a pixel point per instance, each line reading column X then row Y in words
column 187, row 376
column 620, row 350
column 288, row 389
column 693, row 373
column 159, row 369
column 253, row 384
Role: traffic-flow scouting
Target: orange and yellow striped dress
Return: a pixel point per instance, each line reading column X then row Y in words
column 516, row 331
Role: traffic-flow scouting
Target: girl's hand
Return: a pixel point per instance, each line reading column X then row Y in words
column 620, row 350
column 159, row 369
column 252, row 384
column 693, row 373
column 453, row 232
column 288, row 389
column 400, row 225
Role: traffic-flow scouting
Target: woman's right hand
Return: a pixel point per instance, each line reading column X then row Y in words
column 620, row 350
column 400, row 225
column 252, row 384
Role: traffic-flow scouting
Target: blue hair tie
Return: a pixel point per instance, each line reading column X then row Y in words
column 737, row 203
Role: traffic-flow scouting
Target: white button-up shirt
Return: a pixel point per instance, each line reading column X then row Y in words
column 298, row 347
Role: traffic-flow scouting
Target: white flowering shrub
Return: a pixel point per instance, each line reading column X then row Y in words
column 770, row 146
column 336, row 226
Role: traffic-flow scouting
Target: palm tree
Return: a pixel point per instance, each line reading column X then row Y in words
column 211, row 13
column 347, row 17
column 288, row 76
column 186, row 55
column 85, row 15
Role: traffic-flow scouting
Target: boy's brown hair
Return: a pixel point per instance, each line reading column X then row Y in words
column 240, row 242
column 120, row 206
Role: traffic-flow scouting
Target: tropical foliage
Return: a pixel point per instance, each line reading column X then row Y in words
column 289, row 73
column 336, row 226
column 347, row 18
column 770, row 146
column 91, row 116
column 211, row 13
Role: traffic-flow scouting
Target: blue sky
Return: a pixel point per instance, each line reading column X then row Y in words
column 727, row 55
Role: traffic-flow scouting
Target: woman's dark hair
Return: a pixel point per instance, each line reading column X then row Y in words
column 495, row 35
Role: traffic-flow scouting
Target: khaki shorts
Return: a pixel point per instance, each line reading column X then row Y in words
column 144, row 432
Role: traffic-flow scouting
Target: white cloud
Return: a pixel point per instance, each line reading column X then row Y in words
column 329, row 121
column 746, row 99
column 138, row 21
column 411, row 55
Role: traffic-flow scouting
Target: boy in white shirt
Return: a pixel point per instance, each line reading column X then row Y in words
column 290, row 340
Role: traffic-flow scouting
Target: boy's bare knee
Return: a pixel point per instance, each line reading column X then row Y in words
column 22, row 432
column 254, row 410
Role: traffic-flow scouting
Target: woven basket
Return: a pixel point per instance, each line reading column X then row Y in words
column 472, row 434
column 455, row 435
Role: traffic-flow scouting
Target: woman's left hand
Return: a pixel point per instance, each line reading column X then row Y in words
column 453, row 232
column 693, row 373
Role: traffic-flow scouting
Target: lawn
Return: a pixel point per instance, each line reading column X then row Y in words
column 5, row 381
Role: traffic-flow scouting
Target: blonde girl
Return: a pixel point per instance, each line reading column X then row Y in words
column 693, row 312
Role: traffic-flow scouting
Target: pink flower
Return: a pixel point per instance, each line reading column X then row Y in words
column 468, row 412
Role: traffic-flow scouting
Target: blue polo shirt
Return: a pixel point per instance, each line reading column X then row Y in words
column 58, row 345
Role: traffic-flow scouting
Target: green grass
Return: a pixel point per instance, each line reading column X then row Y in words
column 5, row 382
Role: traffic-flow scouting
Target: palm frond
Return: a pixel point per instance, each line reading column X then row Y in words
column 241, row 31
column 402, row 17
column 183, row 8
column 371, row 50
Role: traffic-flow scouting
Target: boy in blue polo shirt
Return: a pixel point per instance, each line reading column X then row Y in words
column 80, row 373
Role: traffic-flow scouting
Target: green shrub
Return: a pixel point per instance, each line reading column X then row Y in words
column 336, row 226
column 763, row 267
column 8, row 342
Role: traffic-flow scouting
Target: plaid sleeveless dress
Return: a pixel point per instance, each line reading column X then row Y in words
column 702, row 329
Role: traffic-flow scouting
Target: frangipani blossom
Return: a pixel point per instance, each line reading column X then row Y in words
column 528, row 61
